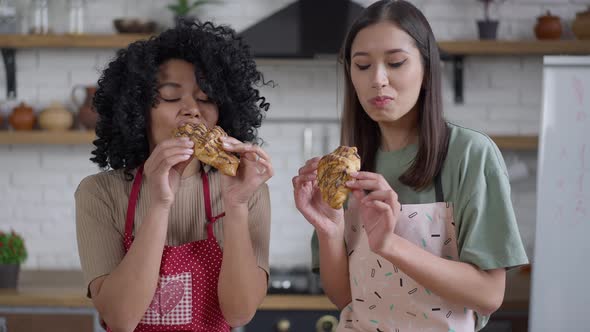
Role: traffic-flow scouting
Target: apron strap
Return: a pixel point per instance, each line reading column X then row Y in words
column 131, row 207
column 438, row 188
column 207, row 195
column 129, row 220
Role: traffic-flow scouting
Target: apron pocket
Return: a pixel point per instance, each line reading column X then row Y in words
column 172, row 303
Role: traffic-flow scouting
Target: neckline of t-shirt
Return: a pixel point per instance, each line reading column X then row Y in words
column 189, row 180
column 197, row 176
column 397, row 152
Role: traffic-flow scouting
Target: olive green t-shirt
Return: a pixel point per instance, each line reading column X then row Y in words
column 475, row 179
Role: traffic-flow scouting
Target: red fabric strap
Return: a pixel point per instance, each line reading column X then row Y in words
column 132, row 202
column 206, row 193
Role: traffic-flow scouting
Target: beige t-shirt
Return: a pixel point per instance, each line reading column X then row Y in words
column 101, row 207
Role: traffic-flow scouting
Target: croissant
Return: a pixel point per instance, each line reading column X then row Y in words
column 208, row 148
column 333, row 171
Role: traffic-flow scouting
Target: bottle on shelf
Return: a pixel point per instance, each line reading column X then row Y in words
column 76, row 16
column 39, row 19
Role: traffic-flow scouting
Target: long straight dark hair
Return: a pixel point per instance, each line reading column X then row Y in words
column 359, row 130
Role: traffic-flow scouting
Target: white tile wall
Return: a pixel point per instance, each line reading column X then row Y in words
column 503, row 96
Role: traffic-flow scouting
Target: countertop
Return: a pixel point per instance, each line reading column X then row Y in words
column 66, row 289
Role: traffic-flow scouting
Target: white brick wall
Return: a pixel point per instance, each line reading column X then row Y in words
column 36, row 199
column 502, row 96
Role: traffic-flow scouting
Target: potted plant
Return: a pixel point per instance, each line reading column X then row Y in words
column 12, row 254
column 182, row 8
column 488, row 28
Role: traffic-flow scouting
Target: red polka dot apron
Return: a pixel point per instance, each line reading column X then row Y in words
column 384, row 298
column 186, row 295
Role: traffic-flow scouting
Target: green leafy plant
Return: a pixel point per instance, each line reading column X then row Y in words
column 486, row 7
column 183, row 7
column 12, row 248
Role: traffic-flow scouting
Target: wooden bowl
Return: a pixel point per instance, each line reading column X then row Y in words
column 134, row 25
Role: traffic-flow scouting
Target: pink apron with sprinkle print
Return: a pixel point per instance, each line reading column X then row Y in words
column 383, row 297
column 186, row 295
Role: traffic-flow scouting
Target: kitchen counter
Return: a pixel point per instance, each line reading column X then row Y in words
column 74, row 298
column 65, row 289
column 55, row 288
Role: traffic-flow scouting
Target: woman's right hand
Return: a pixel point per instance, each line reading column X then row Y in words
column 308, row 200
column 163, row 169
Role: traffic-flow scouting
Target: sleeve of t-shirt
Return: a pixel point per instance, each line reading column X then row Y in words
column 488, row 234
column 259, row 226
column 100, row 243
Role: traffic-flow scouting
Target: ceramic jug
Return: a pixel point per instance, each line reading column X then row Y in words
column 581, row 25
column 86, row 114
column 56, row 117
column 548, row 27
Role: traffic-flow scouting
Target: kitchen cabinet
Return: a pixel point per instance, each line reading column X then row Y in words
column 55, row 301
column 48, row 301
column 53, row 308
column 48, row 320
column 326, row 321
column 293, row 321
column 508, row 321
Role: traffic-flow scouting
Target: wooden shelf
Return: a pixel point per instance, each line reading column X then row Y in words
column 69, row 41
column 461, row 47
column 516, row 47
column 46, row 137
column 86, row 137
column 456, row 51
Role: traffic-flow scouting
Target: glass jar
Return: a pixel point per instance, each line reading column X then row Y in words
column 39, row 17
column 8, row 17
column 76, row 15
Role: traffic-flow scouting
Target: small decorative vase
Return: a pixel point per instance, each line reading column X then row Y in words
column 9, row 275
column 548, row 27
column 22, row 117
column 488, row 30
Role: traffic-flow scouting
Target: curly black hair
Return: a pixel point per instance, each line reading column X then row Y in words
column 127, row 89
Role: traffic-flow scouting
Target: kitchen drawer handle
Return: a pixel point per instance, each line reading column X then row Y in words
column 327, row 323
column 283, row 325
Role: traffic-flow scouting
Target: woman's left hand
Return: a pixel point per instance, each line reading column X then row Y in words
column 378, row 207
column 255, row 169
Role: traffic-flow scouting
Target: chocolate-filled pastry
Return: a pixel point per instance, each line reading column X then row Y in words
column 334, row 171
column 208, row 147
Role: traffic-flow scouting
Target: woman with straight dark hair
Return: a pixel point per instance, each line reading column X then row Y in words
column 424, row 241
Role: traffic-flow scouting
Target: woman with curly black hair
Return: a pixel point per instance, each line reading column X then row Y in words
column 150, row 227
